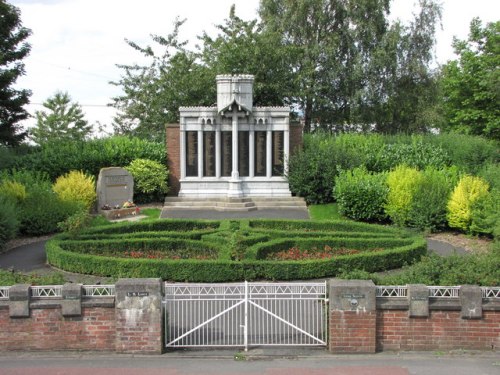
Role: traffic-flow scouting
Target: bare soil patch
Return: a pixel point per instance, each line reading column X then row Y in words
column 470, row 244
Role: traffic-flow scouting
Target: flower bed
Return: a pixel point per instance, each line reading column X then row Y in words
column 216, row 251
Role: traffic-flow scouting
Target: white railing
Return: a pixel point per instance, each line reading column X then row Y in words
column 392, row 291
column 98, row 291
column 4, row 292
column 42, row 292
column 444, row 291
column 491, row 292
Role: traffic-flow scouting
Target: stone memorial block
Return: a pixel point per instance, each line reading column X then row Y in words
column 114, row 187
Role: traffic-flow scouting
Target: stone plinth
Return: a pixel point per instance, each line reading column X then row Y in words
column 115, row 186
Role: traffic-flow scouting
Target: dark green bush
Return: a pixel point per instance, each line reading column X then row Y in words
column 428, row 207
column 361, row 195
column 58, row 158
column 9, row 223
column 238, row 247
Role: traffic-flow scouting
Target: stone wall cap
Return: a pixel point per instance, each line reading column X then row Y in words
column 351, row 283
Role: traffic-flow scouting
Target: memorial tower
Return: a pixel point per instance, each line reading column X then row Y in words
column 233, row 149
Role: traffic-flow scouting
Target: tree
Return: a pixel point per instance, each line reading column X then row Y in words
column 153, row 93
column 328, row 43
column 12, row 50
column 64, row 120
column 401, row 93
column 471, row 84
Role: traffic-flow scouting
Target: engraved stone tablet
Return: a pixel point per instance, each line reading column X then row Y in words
column 114, row 187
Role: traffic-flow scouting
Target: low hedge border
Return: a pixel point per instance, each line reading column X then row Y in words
column 240, row 248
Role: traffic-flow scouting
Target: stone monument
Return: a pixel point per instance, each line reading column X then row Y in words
column 115, row 188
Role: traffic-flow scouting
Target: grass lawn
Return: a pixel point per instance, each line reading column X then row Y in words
column 325, row 212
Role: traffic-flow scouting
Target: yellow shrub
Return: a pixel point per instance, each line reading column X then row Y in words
column 403, row 183
column 76, row 186
column 13, row 190
column 468, row 191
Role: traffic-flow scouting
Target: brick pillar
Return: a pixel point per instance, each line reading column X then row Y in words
column 173, row 159
column 353, row 316
column 139, row 327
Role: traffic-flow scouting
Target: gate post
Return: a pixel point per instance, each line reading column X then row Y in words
column 138, row 312
column 353, row 316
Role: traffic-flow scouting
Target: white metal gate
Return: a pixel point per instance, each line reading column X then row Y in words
column 245, row 314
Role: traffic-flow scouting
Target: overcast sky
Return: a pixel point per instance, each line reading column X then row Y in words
column 76, row 44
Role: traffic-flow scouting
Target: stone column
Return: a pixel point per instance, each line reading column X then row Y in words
column 269, row 154
column 19, row 301
column 251, row 151
column 138, row 313
column 200, row 153
column 218, row 155
column 235, row 182
column 183, row 153
column 471, row 299
column 353, row 316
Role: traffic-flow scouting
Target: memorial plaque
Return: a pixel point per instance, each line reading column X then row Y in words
column 115, row 186
column 226, row 153
column 278, row 153
column 209, row 154
column 243, row 154
column 260, row 153
column 191, row 153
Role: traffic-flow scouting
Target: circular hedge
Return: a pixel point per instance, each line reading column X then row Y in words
column 231, row 250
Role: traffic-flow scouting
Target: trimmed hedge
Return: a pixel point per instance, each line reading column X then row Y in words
column 236, row 249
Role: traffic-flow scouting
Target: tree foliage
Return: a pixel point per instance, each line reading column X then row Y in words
column 471, row 84
column 63, row 121
column 338, row 63
column 13, row 49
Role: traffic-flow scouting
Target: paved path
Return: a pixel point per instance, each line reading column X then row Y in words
column 212, row 363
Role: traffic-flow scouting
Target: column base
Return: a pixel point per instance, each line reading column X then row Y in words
column 234, row 190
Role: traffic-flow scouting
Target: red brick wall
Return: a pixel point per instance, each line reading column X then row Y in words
column 47, row 329
column 442, row 330
column 173, row 159
column 352, row 332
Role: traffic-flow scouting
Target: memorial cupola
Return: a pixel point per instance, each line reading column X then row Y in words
column 235, row 90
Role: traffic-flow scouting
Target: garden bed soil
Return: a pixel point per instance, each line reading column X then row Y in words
column 473, row 245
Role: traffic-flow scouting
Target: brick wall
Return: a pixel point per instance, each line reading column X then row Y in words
column 173, row 158
column 442, row 330
column 361, row 323
column 47, row 329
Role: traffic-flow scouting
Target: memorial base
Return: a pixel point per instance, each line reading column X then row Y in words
column 119, row 213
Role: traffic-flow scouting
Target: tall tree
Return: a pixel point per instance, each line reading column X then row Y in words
column 401, row 94
column 328, row 43
column 154, row 92
column 64, row 121
column 242, row 47
column 471, row 84
column 13, row 49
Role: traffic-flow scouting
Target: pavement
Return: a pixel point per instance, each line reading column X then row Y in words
column 256, row 361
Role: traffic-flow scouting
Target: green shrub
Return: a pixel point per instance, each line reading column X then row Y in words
column 361, row 195
column 9, row 223
column 229, row 250
column 77, row 187
column 311, row 175
column 8, row 278
column 468, row 192
column 150, row 180
column 75, row 223
column 430, row 198
column 403, row 183
column 58, row 158
column 13, row 190
column 42, row 211
column 491, row 173
column 485, row 216
column 469, row 153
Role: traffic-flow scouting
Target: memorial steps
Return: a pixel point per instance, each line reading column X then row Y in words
column 234, row 204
